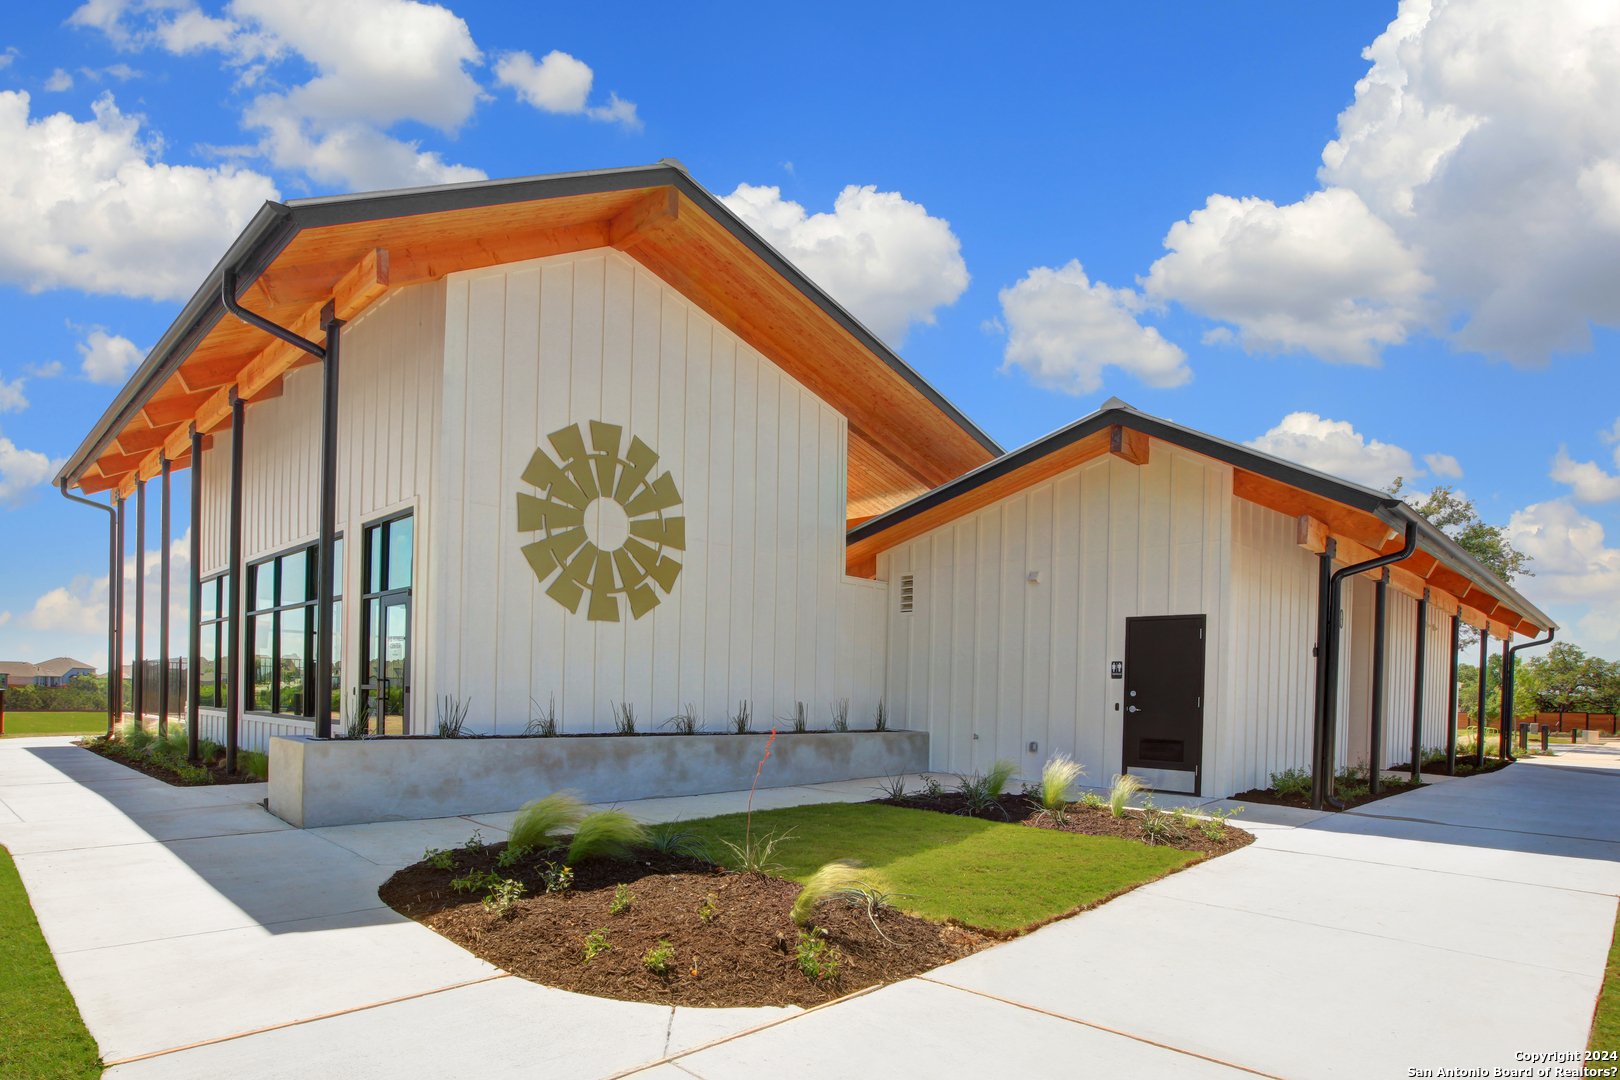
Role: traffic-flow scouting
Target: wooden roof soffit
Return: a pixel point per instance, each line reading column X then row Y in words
column 260, row 379
column 1129, row 444
column 1415, row 577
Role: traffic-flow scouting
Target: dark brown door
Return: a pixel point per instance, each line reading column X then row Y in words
column 1164, row 694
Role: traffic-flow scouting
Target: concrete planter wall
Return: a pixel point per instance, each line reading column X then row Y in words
column 317, row 782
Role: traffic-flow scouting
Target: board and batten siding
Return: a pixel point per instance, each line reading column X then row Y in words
column 1400, row 658
column 390, row 374
column 986, row 652
column 760, row 463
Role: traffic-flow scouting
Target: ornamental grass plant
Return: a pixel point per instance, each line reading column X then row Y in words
column 544, row 822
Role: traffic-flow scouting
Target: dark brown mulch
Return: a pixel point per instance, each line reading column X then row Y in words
column 743, row 954
column 1082, row 819
column 1465, row 767
column 144, row 763
column 1360, row 796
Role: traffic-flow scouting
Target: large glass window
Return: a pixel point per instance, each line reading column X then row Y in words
column 282, row 628
column 213, row 666
column 385, row 624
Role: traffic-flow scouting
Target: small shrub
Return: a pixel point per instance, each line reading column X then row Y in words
column 685, row 723
column 502, row 896
column 880, row 721
column 542, row 722
column 1213, row 826
column 596, row 943
column 815, row 957
column 1119, row 796
column 193, row 774
column 825, row 882
column 800, row 718
column 709, row 908
column 840, row 714
column 475, row 842
column 1291, row 783
column 544, row 822
column 1057, row 781
column 607, row 832
column 624, row 718
column 756, row 854
column 891, row 787
column 439, row 858
column 622, row 899
column 254, row 764
column 557, row 878
column 660, row 959
column 208, row 750
column 476, row 881
column 512, row 855
column 671, row 839
column 932, row 788
column 741, row 718
column 1093, row 801
column 452, row 716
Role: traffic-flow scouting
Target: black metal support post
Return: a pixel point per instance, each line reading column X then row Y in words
column 1451, row 707
column 114, row 688
column 163, row 607
column 1324, row 575
column 194, row 629
column 328, row 569
column 237, row 625
column 1328, row 668
column 1484, row 674
column 137, row 670
column 1418, row 658
column 117, row 675
column 1510, row 657
column 1375, row 724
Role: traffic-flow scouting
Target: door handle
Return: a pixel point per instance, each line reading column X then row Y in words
column 1133, row 708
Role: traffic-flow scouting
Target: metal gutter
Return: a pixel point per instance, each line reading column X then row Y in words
column 276, row 224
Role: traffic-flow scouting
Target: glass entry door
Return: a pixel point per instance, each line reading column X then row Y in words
column 385, row 689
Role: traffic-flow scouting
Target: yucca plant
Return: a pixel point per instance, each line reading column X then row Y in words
column 880, row 721
column 825, row 882
column 800, row 718
column 542, row 722
column 1057, row 782
column 756, row 854
column 671, row 839
column 624, row 718
column 892, row 787
column 452, row 716
column 840, row 714
column 741, row 718
column 685, row 723
column 544, row 822
column 873, row 899
column 357, row 719
column 1119, row 796
column 612, row 833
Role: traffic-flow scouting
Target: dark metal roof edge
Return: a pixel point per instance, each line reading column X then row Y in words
column 1391, row 509
column 261, row 241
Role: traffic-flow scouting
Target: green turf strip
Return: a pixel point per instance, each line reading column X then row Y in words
column 1606, row 1020
column 985, row 873
column 55, row 723
column 41, row 1034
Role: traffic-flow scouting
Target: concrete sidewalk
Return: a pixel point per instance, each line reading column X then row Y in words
column 1354, row 945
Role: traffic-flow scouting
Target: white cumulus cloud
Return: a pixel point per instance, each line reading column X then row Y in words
column 1588, row 480
column 879, row 254
column 21, row 471
column 1443, row 465
column 87, row 205
column 59, row 81
column 1336, row 447
column 11, row 395
column 560, row 83
column 108, row 358
column 1063, row 330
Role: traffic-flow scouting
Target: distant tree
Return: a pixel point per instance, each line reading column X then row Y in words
column 1568, row 680
column 1456, row 517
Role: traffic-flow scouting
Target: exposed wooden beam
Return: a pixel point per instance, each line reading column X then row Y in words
column 1286, row 499
column 648, row 214
column 1129, row 444
column 138, row 441
column 1310, row 533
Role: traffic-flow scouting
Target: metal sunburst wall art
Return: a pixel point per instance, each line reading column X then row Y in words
column 602, row 523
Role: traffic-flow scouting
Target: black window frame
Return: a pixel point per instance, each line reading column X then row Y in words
column 365, row 685
column 309, row 605
column 218, row 628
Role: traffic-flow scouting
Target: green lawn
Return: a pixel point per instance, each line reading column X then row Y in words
column 1606, row 1021
column 41, row 1034
column 55, row 723
column 985, row 873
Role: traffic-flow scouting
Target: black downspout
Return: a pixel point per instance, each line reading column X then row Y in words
column 137, row 670
column 194, row 630
column 237, row 625
column 163, row 611
column 1451, row 707
column 123, row 531
column 1375, row 725
column 227, row 293
column 1322, row 780
column 328, row 570
column 1324, row 574
column 1420, row 655
column 112, row 590
column 1484, row 673
column 1504, row 736
column 1510, row 657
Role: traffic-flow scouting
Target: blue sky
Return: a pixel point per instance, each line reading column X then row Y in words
column 1382, row 241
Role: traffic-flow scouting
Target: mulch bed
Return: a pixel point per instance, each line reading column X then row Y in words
column 145, row 763
column 1303, row 802
column 743, row 954
column 1081, row 819
column 1465, row 767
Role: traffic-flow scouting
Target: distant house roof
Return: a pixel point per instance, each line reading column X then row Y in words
column 18, row 669
column 61, row 665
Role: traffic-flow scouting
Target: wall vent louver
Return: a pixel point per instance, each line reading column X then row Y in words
column 908, row 593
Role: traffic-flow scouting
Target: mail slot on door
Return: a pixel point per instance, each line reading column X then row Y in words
column 1172, row 750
